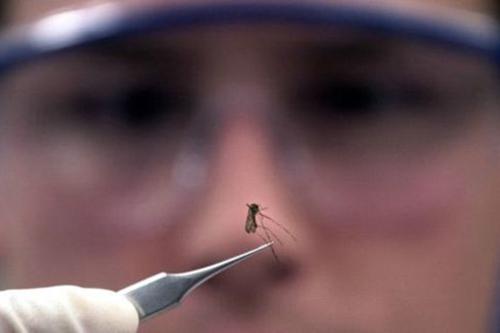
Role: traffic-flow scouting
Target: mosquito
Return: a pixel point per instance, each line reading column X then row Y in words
column 251, row 226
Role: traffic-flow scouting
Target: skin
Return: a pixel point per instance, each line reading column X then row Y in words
column 437, row 275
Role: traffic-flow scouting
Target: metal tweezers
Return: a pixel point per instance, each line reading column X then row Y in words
column 163, row 291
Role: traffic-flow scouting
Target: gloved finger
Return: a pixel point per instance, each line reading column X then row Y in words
column 66, row 309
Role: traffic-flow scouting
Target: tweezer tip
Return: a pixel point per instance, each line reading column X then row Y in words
column 162, row 291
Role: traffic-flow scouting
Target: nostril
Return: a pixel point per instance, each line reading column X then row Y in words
column 283, row 271
column 246, row 288
column 242, row 276
column 258, row 273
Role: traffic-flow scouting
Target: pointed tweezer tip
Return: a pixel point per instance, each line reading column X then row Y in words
column 252, row 252
column 162, row 291
column 200, row 275
column 231, row 261
column 271, row 243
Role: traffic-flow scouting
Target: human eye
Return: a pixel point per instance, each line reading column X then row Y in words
column 340, row 98
column 137, row 108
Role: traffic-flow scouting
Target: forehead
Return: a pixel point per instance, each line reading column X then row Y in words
column 26, row 10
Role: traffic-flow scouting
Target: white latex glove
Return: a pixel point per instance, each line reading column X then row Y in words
column 66, row 309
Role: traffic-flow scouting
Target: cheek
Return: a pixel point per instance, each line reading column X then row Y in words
column 71, row 200
column 62, row 232
column 392, row 196
column 401, row 197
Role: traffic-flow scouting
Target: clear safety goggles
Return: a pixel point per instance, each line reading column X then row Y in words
column 120, row 96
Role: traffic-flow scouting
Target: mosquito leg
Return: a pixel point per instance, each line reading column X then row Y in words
column 278, row 224
column 274, row 254
column 264, row 239
column 265, row 227
column 272, row 246
column 268, row 232
column 271, row 233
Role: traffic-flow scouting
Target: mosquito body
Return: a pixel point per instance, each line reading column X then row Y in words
column 251, row 223
column 251, row 226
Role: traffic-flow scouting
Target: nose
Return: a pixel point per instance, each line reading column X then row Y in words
column 244, row 175
column 243, row 172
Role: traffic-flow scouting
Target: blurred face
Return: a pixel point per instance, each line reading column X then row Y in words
column 379, row 155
